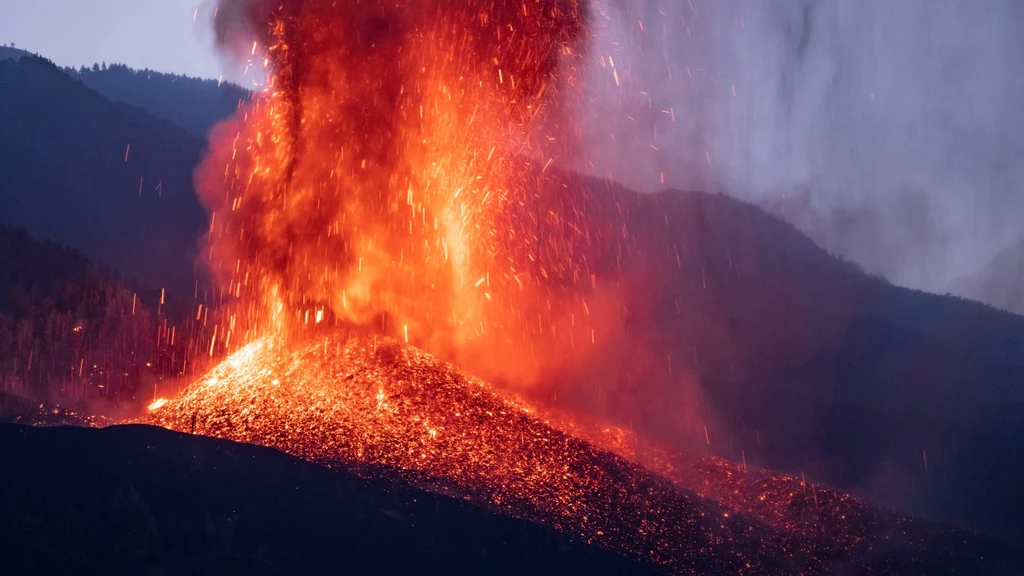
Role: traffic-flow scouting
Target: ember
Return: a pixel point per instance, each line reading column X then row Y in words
column 380, row 179
column 370, row 403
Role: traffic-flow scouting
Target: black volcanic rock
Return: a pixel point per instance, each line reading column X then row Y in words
column 142, row 500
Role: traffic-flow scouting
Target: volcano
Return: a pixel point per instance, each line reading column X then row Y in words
column 367, row 403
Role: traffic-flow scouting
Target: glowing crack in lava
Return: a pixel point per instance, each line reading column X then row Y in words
column 381, row 177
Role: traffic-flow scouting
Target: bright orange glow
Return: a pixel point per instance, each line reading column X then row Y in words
column 380, row 407
column 390, row 174
column 157, row 404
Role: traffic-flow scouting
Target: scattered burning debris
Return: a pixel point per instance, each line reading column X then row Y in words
column 395, row 188
column 371, row 403
column 378, row 179
column 388, row 217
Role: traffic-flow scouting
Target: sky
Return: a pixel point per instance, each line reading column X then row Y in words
column 891, row 132
column 156, row 34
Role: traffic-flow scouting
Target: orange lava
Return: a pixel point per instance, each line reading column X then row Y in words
column 379, row 178
column 370, row 403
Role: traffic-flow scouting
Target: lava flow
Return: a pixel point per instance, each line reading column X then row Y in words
column 373, row 404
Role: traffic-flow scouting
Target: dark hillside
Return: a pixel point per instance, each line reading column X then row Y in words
column 142, row 500
column 798, row 361
column 102, row 177
column 195, row 104
column 12, row 53
column 72, row 332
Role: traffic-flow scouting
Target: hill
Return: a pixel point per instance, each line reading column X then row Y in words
column 905, row 397
column 1003, row 277
column 58, row 312
column 195, row 104
column 365, row 402
column 103, row 177
column 798, row 361
column 140, row 500
column 12, row 53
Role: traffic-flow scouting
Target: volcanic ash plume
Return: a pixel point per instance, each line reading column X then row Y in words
column 389, row 175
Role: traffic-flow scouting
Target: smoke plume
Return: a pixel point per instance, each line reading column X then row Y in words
column 891, row 133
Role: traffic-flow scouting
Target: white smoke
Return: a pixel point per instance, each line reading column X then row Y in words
column 890, row 131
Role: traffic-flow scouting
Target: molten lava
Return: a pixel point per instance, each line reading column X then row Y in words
column 387, row 176
column 370, row 403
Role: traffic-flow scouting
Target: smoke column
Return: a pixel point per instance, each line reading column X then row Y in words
column 890, row 132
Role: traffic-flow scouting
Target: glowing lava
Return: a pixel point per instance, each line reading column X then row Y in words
column 380, row 179
column 370, row 403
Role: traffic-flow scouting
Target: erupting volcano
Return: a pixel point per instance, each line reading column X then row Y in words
column 383, row 177
column 396, row 188
column 372, row 404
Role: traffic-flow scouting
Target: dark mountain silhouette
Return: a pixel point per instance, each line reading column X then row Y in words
column 909, row 398
column 1002, row 282
column 103, row 177
column 142, row 500
column 12, row 53
column 798, row 361
column 195, row 104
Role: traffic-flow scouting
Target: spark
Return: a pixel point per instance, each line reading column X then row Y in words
column 312, row 208
column 346, row 399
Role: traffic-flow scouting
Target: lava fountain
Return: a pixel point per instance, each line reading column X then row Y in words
column 388, row 176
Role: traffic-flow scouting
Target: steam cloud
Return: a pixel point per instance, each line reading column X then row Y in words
column 891, row 132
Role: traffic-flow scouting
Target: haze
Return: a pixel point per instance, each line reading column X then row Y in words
column 891, row 132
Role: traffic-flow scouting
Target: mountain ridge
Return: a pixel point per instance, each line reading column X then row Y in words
column 195, row 104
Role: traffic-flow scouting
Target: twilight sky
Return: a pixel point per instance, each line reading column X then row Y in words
column 157, row 34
